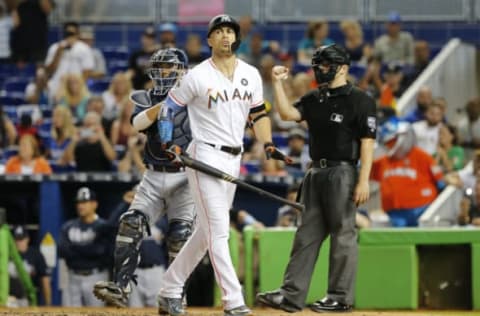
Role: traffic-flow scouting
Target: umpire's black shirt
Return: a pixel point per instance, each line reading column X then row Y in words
column 338, row 121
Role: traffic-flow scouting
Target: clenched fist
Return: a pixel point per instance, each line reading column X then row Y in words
column 279, row 73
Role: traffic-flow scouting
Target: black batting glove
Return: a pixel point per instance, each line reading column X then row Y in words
column 272, row 152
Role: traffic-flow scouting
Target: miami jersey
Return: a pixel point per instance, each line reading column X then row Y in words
column 409, row 182
column 217, row 106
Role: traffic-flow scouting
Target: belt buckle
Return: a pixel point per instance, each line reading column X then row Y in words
column 323, row 163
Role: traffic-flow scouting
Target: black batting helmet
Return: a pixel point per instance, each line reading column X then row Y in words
column 225, row 20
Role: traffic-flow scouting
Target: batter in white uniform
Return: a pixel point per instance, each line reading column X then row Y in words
column 222, row 94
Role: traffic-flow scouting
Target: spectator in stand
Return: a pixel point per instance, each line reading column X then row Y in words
column 132, row 161
column 6, row 24
column 317, row 35
column 25, row 126
column 409, row 178
column 297, row 151
column 122, row 129
column 36, row 267
column 28, row 159
column 421, row 61
column 37, row 92
column 254, row 51
column 427, row 131
column 97, row 105
column 62, row 137
column 195, row 50
column 93, row 151
column 247, row 30
column 8, row 133
column 469, row 126
column 467, row 177
column 424, row 98
column 240, row 219
column 449, row 155
column 167, row 35
column 138, row 61
column 390, row 90
column 372, row 82
column 287, row 215
column 354, row 43
column 469, row 213
column 117, row 95
column 29, row 36
column 87, row 35
column 68, row 56
column 74, row 95
column 396, row 45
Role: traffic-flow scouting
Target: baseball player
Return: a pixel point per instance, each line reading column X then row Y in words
column 83, row 244
column 222, row 94
column 164, row 186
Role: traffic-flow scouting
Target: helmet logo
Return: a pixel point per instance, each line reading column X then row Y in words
column 225, row 18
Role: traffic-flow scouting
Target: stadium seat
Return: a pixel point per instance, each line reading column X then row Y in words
column 280, row 139
column 11, row 99
column 98, row 86
column 252, row 166
column 15, row 84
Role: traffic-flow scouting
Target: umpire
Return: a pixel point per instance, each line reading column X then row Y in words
column 342, row 128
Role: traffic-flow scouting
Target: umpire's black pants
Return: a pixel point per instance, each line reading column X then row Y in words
column 329, row 210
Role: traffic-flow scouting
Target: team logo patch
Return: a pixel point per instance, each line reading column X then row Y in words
column 244, row 82
column 372, row 123
column 337, row 118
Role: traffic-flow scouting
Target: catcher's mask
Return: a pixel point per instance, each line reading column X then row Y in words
column 225, row 20
column 329, row 57
column 398, row 137
column 166, row 67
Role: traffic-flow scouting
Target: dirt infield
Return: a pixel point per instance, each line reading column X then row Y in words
column 205, row 312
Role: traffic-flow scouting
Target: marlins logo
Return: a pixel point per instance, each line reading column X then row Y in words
column 214, row 96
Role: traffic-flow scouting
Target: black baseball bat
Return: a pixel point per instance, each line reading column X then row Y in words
column 214, row 172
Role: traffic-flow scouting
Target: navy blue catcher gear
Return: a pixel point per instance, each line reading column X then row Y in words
column 166, row 67
column 225, row 20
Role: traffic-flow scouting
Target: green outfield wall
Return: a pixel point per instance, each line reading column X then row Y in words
column 388, row 264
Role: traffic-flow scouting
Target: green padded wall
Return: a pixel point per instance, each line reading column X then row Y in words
column 274, row 252
column 387, row 277
column 476, row 275
column 416, row 236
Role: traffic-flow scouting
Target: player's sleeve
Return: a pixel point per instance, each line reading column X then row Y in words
column 184, row 91
column 258, row 102
column 42, row 269
column 64, row 244
column 367, row 117
column 302, row 105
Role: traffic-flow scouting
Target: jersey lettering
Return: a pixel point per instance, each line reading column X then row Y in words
column 214, row 96
column 76, row 235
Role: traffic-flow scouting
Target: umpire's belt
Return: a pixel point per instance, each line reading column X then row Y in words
column 325, row 163
column 160, row 168
column 86, row 272
column 231, row 150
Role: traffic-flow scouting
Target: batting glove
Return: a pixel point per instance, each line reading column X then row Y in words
column 272, row 152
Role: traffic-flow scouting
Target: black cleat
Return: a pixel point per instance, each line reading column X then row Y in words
column 170, row 306
column 111, row 293
column 327, row 305
column 276, row 300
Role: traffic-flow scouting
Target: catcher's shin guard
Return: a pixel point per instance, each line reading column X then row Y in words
column 178, row 233
column 133, row 227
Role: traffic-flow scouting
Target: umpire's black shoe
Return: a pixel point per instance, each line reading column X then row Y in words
column 111, row 293
column 276, row 300
column 327, row 305
column 238, row 311
column 170, row 306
